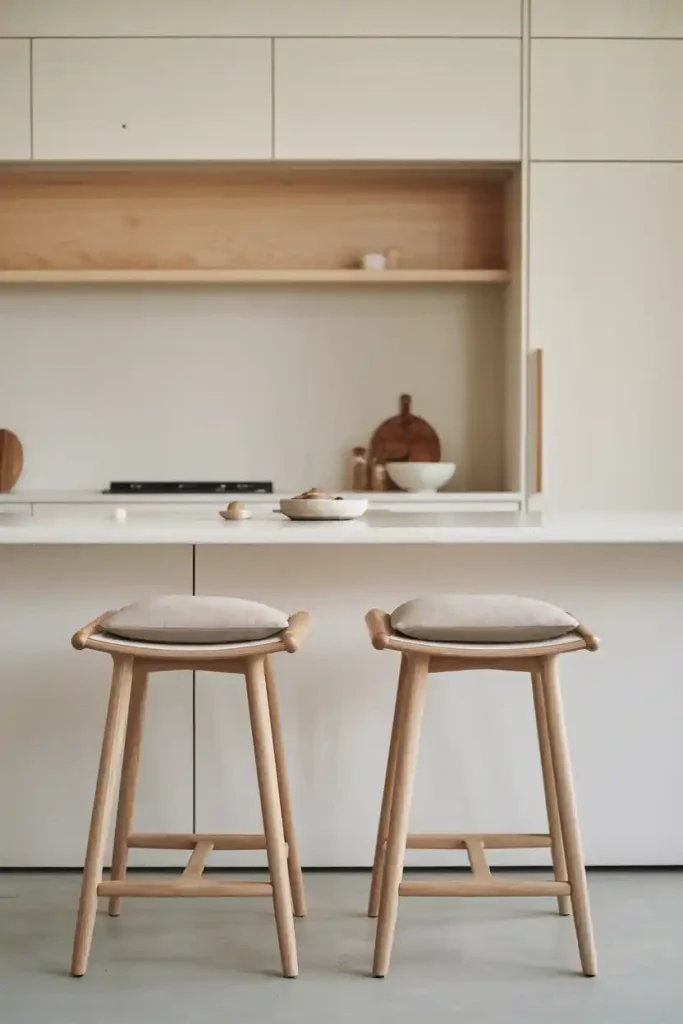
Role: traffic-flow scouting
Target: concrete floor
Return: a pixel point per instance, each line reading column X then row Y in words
column 484, row 961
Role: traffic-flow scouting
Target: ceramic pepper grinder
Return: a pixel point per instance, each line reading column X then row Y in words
column 359, row 470
column 379, row 478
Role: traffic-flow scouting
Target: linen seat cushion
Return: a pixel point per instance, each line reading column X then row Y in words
column 184, row 619
column 481, row 618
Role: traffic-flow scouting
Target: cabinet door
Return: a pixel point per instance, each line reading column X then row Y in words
column 606, row 306
column 606, row 99
column 262, row 18
column 154, row 99
column 53, row 701
column 656, row 19
column 397, row 99
column 15, row 99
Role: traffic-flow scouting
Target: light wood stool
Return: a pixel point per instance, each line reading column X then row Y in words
column 133, row 661
column 418, row 659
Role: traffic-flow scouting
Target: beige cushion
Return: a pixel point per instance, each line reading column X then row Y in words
column 481, row 618
column 196, row 620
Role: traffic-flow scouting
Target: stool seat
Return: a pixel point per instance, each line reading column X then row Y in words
column 384, row 636
column 195, row 619
column 287, row 638
column 481, row 618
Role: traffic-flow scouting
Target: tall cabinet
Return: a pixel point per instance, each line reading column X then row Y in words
column 606, row 307
column 605, row 259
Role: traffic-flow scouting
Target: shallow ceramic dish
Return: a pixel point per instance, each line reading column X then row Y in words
column 323, row 509
column 234, row 517
column 420, row 477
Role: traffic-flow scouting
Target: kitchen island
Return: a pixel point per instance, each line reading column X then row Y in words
column 622, row 575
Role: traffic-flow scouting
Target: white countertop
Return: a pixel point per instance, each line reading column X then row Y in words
column 199, row 526
column 90, row 497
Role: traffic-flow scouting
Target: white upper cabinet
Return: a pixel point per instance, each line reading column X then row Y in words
column 15, row 99
column 600, row 99
column 260, row 18
column 151, row 99
column 397, row 99
column 654, row 19
column 606, row 307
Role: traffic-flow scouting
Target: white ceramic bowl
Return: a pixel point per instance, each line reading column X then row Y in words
column 330, row 509
column 420, row 477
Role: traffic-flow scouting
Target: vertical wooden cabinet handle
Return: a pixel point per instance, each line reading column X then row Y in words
column 538, row 375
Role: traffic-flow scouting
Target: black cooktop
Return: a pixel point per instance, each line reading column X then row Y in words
column 189, row 487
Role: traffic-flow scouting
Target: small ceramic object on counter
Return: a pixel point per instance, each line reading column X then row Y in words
column 420, row 477
column 235, row 511
column 120, row 515
column 359, row 469
column 379, row 479
column 393, row 256
column 315, row 505
column 374, row 261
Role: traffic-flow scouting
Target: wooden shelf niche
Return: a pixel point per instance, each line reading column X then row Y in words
column 251, row 224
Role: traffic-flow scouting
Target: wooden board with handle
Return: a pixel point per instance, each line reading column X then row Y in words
column 405, row 438
column 11, row 460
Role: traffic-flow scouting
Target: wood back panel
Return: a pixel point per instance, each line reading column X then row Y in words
column 250, row 218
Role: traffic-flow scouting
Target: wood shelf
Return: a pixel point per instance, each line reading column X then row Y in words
column 251, row 224
column 235, row 276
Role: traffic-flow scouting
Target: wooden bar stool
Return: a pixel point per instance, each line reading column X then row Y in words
column 218, row 635
column 456, row 633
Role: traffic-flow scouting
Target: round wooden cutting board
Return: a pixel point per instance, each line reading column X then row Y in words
column 11, row 460
column 405, row 438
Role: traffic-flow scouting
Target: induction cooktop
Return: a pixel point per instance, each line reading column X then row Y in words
column 189, row 487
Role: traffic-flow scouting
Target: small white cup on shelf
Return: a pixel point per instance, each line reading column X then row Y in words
column 374, row 261
column 120, row 515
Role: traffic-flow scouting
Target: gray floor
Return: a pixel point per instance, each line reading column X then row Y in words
column 482, row 961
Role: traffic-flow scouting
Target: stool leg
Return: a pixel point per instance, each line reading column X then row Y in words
column 568, row 816
column 110, row 758
column 554, row 825
column 407, row 747
column 387, row 796
column 129, row 778
column 296, row 880
column 257, row 695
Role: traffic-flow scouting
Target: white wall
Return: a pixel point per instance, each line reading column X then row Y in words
column 273, row 383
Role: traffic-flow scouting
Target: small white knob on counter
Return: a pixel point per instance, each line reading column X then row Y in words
column 120, row 515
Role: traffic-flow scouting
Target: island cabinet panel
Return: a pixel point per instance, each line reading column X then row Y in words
column 53, row 701
column 151, row 99
column 336, row 701
column 606, row 308
column 397, row 99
